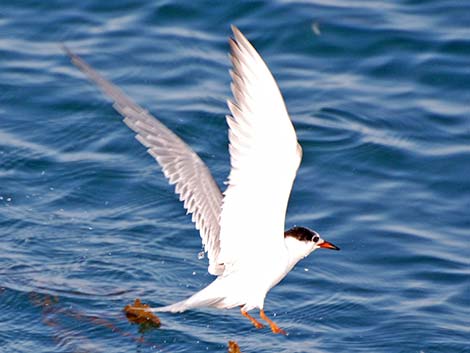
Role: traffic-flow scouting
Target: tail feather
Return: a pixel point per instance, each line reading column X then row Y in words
column 212, row 295
column 187, row 304
column 173, row 308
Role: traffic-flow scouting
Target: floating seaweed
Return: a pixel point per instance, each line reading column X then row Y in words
column 233, row 347
column 138, row 313
column 56, row 315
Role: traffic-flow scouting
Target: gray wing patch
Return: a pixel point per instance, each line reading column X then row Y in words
column 181, row 165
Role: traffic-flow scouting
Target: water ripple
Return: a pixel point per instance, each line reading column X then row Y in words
column 378, row 93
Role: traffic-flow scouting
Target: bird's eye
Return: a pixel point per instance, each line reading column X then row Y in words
column 315, row 238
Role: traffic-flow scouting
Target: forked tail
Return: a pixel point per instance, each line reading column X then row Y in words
column 173, row 308
column 211, row 296
column 187, row 304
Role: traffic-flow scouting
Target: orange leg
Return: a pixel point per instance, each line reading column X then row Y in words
column 252, row 319
column 274, row 327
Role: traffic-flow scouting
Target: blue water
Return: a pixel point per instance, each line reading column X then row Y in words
column 379, row 92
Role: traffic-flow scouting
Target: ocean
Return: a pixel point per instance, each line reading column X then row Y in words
column 379, row 94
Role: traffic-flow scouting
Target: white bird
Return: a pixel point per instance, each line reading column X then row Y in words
column 242, row 229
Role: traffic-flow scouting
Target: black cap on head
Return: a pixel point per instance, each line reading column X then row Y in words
column 302, row 234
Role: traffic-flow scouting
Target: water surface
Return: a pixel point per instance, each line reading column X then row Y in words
column 379, row 94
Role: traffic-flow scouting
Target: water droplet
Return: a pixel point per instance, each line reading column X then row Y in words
column 316, row 28
column 194, row 273
column 200, row 256
column 306, row 269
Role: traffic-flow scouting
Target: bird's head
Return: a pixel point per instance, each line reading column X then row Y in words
column 301, row 241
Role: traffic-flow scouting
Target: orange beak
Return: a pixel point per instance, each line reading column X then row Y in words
column 328, row 245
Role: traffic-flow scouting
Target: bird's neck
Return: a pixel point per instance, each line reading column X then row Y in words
column 296, row 250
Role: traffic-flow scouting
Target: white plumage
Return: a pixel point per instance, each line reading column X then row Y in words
column 264, row 156
column 242, row 230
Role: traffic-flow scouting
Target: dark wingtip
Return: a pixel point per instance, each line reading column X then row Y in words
column 66, row 49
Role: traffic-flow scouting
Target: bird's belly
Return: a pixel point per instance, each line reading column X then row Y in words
column 249, row 286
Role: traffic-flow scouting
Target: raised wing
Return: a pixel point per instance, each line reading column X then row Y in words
column 181, row 165
column 264, row 156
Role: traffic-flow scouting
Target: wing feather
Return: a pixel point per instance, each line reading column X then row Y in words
column 180, row 164
column 264, row 157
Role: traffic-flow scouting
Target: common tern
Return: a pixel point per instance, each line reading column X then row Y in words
column 242, row 229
